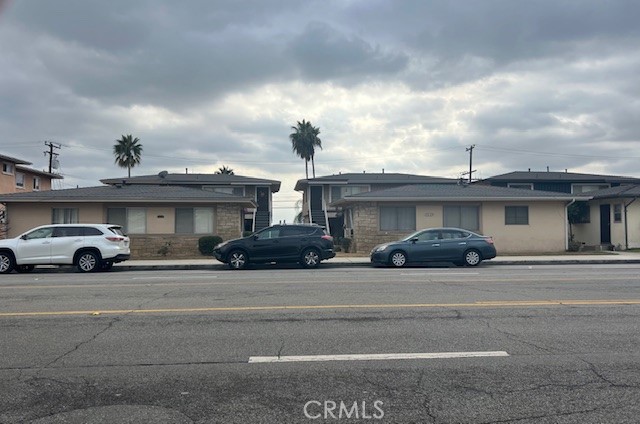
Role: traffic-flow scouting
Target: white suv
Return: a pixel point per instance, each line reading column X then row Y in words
column 89, row 247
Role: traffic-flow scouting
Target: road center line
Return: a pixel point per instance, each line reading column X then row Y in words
column 374, row 357
column 479, row 304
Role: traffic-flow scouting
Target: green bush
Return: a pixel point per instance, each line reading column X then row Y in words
column 346, row 244
column 207, row 243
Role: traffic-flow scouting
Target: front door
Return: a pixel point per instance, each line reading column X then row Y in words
column 316, row 198
column 262, row 199
column 605, row 224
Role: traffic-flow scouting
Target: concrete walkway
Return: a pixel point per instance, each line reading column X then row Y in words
column 212, row 263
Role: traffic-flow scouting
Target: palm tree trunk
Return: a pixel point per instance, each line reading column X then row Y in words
column 306, row 168
column 313, row 167
column 129, row 169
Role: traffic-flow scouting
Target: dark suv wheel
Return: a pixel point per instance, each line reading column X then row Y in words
column 310, row 258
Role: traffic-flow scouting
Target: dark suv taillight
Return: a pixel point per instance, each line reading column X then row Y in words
column 327, row 237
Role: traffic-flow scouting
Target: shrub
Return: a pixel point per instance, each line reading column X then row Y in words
column 207, row 243
column 346, row 244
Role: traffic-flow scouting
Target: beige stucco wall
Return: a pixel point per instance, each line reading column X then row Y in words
column 24, row 216
column 546, row 231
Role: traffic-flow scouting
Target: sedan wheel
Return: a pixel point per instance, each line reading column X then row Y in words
column 87, row 262
column 472, row 257
column 310, row 258
column 398, row 259
column 237, row 259
column 6, row 263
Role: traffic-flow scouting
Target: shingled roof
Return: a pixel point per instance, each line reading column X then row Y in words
column 623, row 191
column 573, row 177
column 164, row 178
column 373, row 178
column 127, row 194
column 464, row 192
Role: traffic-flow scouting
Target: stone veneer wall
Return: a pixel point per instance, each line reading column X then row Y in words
column 150, row 246
column 366, row 231
column 182, row 246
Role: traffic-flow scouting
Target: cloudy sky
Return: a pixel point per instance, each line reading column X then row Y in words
column 402, row 85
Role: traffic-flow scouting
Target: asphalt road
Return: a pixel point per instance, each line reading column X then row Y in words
column 541, row 344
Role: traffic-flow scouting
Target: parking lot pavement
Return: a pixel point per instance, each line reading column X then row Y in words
column 564, row 259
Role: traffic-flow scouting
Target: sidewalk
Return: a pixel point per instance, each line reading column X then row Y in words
column 356, row 261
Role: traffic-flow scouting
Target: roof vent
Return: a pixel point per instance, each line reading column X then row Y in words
column 163, row 174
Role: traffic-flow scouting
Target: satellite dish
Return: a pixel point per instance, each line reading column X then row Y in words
column 55, row 164
column 163, row 174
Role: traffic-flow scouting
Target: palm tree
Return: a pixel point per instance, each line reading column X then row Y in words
column 304, row 140
column 225, row 170
column 127, row 151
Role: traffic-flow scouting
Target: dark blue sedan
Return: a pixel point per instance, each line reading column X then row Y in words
column 462, row 247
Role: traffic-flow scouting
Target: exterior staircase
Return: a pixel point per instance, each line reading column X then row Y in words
column 263, row 220
column 319, row 217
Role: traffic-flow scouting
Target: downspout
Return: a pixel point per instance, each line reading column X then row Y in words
column 626, row 225
column 566, row 224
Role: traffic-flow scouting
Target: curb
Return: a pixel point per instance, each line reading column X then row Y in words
column 219, row 267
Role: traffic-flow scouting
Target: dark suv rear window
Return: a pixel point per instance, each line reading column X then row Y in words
column 297, row 231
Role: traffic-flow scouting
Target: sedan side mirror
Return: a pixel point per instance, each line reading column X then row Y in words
column 414, row 240
column 23, row 237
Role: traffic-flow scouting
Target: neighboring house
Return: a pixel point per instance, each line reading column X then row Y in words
column 519, row 220
column 17, row 177
column 614, row 218
column 595, row 222
column 562, row 182
column 259, row 190
column 161, row 213
column 320, row 194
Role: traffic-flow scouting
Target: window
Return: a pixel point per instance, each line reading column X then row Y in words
column 338, row 192
column 585, row 188
column 64, row 216
column 524, row 186
column 617, row 213
column 454, row 234
column 133, row 220
column 36, row 183
column 516, row 215
column 236, row 191
column 297, row 231
column 194, row 220
column 68, row 232
column 397, row 218
column 7, row 168
column 40, row 233
column 269, row 233
column 19, row 179
column 467, row 217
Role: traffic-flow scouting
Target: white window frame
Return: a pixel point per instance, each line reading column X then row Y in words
column 197, row 226
column 461, row 206
column 128, row 215
column 397, row 227
column 69, row 215
column 599, row 185
column 225, row 189
column 617, row 210
column 529, row 186
column 8, row 168
column 515, row 217
column 364, row 189
column 20, row 179
column 36, row 183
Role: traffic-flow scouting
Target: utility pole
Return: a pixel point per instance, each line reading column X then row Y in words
column 51, row 154
column 471, row 170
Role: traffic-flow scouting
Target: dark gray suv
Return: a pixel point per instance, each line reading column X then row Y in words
column 307, row 244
